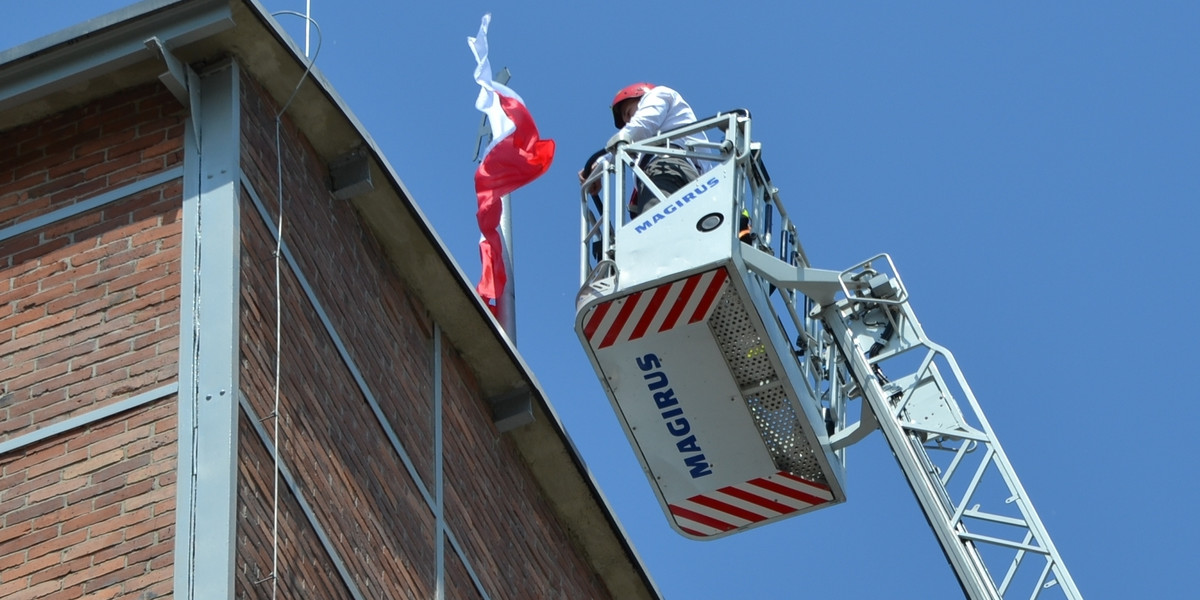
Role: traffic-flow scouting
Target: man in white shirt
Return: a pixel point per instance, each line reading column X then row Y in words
column 644, row 110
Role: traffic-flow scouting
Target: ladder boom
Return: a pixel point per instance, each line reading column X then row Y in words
column 952, row 460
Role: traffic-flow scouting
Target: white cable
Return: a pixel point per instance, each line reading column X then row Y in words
column 279, row 296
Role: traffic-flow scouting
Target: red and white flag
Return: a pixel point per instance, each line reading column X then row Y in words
column 515, row 157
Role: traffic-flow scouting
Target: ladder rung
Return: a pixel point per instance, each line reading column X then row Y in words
column 1002, row 542
column 975, row 514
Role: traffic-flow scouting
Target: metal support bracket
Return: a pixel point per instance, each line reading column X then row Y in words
column 350, row 175
column 512, row 409
column 180, row 80
column 820, row 285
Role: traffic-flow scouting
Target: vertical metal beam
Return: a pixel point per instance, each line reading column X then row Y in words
column 206, row 499
column 439, row 487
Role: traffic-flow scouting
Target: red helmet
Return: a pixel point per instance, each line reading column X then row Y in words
column 636, row 90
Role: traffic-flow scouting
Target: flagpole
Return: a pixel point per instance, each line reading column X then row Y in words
column 506, row 304
column 515, row 157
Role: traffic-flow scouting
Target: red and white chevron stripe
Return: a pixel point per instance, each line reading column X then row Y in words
column 754, row 501
column 656, row 309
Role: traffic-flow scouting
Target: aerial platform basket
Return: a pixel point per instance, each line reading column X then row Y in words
column 710, row 396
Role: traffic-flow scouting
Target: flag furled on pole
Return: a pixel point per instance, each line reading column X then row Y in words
column 515, row 157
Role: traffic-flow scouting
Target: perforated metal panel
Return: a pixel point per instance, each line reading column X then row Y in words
column 740, row 342
column 781, row 432
column 764, row 395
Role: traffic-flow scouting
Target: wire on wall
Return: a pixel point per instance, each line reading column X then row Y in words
column 275, row 413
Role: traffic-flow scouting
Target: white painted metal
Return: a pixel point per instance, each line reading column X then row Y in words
column 705, row 388
column 208, row 371
column 785, row 350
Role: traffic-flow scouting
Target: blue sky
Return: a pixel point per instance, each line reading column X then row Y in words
column 1033, row 168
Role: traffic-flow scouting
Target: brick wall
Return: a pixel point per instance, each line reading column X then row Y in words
column 364, row 496
column 89, row 316
column 92, row 511
column 79, row 153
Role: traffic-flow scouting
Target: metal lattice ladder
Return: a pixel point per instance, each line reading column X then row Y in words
column 962, row 478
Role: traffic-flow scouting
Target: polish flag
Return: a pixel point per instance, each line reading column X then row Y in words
column 515, row 157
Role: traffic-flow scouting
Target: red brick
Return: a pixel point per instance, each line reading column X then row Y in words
column 146, row 445
column 134, row 251
column 89, row 255
column 77, row 591
column 156, row 579
column 98, row 432
column 12, row 424
column 65, row 182
column 38, row 166
column 130, row 547
column 20, row 244
column 69, row 276
column 20, row 341
column 137, row 278
column 105, row 275
column 23, row 184
column 56, row 543
column 46, row 322
column 8, row 589
column 13, row 532
column 64, row 355
column 71, row 593
column 166, row 333
column 40, row 590
column 135, row 172
column 85, row 302
column 134, row 146
column 44, row 296
column 154, row 414
column 57, row 461
column 165, row 365
column 151, row 497
column 165, row 231
column 29, row 484
column 9, row 561
column 120, row 469
column 165, row 147
column 133, row 303
column 40, row 273
column 94, row 383
column 82, row 191
column 40, row 349
column 95, row 574
column 133, row 521
column 73, row 326
column 112, row 358
column 57, row 489
column 33, row 511
column 86, row 517
column 79, row 163
column 13, row 371
column 54, row 390
column 122, row 492
column 46, row 248
column 93, row 463
column 165, row 453
column 161, row 522
column 94, row 544
column 40, row 399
